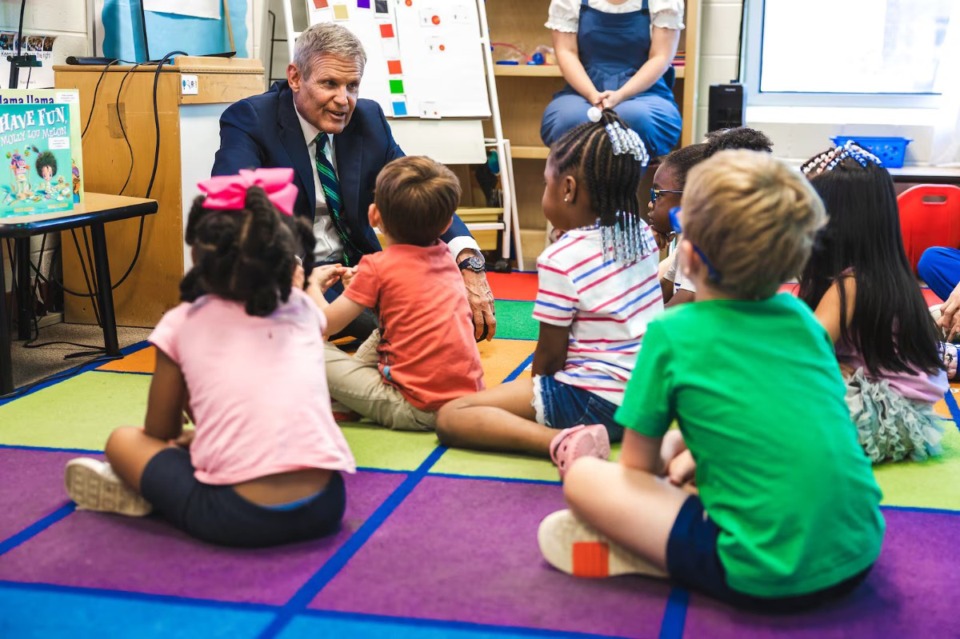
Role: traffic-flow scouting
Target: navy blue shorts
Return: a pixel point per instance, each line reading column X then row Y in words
column 565, row 406
column 693, row 562
column 217, row 514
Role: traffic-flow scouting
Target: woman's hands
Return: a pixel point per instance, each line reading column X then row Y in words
column 949, row 317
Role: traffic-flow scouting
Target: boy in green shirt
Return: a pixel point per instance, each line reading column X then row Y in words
column 787, row 514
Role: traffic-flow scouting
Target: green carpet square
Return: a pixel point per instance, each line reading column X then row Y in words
column 929, row 484
column 77, row 413
column 378, row 447
column 515, row 320
column 503, row 465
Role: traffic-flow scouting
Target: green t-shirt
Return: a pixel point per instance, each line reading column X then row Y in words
column 757, row 393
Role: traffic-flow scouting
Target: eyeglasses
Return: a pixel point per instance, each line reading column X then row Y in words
column 656, row 193
column 712, row 273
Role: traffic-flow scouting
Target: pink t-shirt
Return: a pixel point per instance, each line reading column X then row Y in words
column 427, row 349
column 258, row 388
column 916, row 386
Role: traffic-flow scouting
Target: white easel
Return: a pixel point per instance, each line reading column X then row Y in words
column 510, row 223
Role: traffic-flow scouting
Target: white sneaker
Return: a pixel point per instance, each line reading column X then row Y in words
column 94, row 486
column 572, row 546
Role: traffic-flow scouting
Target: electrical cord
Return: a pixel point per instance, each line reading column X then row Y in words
column 123, row 129
column 96, row 92
column 156, row 161
column 86, row 279
column 90, row 279
column 31, row 341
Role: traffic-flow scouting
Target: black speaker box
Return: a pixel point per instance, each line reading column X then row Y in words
column 725, row 107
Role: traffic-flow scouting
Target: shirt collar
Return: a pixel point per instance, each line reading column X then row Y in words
column 309, row 131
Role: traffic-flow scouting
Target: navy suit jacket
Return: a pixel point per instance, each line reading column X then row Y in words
column 263, row 131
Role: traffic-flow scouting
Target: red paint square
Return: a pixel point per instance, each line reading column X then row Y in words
column 386, row 30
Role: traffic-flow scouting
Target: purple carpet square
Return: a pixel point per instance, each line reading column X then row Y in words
column 466, row 550
column 32, row 487
column 147, row 555
column 909, row 592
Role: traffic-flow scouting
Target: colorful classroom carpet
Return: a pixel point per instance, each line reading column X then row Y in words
column 435, row 543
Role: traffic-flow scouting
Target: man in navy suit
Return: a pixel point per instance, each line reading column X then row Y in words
column 283, row 127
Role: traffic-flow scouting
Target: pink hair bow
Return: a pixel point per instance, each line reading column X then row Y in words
column 229, row 192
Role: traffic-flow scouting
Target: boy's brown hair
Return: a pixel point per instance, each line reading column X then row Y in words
column 753, row 217
column 417, row 198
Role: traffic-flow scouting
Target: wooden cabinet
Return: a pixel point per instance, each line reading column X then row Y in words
column 524, row 91
column 117, row 106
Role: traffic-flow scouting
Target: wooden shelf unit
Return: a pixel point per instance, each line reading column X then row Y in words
column 525, row 90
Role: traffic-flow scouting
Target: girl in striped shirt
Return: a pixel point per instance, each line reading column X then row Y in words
column 598, row 288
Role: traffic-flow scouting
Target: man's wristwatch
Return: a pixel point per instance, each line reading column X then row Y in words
column 475, row 263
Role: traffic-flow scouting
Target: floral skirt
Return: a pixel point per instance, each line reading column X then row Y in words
column 889, row 426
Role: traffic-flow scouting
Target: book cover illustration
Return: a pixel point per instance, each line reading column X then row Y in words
column 36, row 176
column 70, row 97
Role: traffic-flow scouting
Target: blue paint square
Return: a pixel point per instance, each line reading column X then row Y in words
column 399, row 108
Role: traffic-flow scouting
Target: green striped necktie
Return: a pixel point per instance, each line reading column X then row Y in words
column 331, row 191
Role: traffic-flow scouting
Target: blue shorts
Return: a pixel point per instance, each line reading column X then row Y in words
column 217, row 514
column 564, row 406
column 693, row 562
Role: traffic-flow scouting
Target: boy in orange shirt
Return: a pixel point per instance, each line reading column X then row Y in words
column 424, row 354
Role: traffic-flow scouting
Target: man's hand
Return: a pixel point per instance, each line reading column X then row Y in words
column 348, row 275
column 949, row 317
column 322, row 278
column 481, row 303
column 326, row 276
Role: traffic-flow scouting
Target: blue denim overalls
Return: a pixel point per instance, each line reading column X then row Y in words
column 612, row 47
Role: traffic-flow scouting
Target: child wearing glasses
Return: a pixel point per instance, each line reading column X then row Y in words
column 787, row 515
column 668, row 185
column 598, row 288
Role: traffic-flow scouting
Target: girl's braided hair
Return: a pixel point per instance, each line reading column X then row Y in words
column 610, row 158
column 246, row 255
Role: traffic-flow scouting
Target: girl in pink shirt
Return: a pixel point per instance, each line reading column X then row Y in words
column 242, row 357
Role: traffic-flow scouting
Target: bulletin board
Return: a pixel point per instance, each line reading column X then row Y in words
column 424, row 57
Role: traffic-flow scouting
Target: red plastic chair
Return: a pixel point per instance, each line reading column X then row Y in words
column 929, row 216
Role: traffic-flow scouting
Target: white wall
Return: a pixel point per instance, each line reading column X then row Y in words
column 719, row 35
column 797, row 134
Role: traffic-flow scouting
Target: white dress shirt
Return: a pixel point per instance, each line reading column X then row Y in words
column 328, row 241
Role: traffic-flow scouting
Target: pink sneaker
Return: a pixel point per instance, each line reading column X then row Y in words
column 579, row 441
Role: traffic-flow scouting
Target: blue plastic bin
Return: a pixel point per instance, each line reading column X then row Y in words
column 890, row 150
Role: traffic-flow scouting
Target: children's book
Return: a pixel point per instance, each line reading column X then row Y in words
column 41, row 160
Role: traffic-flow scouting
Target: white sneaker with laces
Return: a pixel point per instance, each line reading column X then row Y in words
column 572, row 546
column 95, row 486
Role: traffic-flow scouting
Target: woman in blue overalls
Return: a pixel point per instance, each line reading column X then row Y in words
column 612, row 58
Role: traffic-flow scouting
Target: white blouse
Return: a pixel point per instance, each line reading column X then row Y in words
column 564, row 15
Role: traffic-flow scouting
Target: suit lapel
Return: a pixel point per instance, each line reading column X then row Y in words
column 291, row 136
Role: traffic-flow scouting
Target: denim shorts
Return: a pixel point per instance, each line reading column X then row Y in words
column 217, row 514
column 560, row 405
column 693, row 562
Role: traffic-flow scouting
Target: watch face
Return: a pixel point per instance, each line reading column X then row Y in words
column 474, row 263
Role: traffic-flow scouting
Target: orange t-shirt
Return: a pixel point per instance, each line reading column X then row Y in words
column 427, row 349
